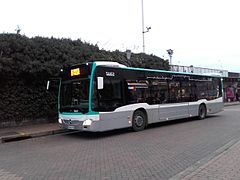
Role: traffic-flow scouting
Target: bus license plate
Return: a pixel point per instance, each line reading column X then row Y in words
column 71, row 127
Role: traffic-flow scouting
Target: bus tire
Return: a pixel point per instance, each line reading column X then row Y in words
column 139, row 120
column 202, row 112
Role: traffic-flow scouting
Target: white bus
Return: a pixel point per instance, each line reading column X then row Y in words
column 101, row 96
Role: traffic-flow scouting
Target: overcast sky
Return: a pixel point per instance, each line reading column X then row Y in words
column 203, row 33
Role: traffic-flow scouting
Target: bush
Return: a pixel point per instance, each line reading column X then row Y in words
column 27, row 63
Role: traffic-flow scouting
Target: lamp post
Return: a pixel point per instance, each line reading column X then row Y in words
column 128, row 55
column 18, row 30
column 143, row 28
column 191, row 68
column 170, row 53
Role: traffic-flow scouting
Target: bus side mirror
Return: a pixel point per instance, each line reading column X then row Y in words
column 99, row 82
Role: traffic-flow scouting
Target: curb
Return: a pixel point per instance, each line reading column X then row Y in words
column 23, row 136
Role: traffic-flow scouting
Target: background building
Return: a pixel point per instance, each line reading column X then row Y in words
column 231, row 80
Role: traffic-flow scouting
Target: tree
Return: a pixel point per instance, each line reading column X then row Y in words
column 27, row 63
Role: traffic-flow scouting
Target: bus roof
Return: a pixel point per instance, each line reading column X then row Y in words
column 109, row 64
column 118, row 65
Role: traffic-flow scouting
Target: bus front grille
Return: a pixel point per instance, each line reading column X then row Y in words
column 71, row 122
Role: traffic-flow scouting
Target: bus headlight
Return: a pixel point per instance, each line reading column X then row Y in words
column 59, row 120
column 87, row 122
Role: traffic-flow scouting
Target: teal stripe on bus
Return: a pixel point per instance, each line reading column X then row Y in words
column 78, row 113
column 91, row 86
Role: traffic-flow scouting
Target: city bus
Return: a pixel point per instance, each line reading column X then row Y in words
column 101, row 96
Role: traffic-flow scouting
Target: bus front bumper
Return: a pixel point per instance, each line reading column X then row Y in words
column 87, row 125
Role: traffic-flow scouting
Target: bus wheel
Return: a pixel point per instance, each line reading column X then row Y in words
column 202, row 112
column 139, row 121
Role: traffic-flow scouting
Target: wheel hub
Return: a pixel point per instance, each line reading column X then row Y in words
column 139, row 121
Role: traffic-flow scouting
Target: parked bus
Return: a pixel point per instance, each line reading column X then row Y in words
column 101, row 96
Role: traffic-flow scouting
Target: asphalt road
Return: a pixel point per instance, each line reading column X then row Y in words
column 159, row 152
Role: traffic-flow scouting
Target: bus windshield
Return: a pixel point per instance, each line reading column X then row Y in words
column 74, row 96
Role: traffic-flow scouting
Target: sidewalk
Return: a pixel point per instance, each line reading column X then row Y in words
column 224, row 166
column 30, row 131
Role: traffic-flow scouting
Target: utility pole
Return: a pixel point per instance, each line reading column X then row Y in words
column 144, row 31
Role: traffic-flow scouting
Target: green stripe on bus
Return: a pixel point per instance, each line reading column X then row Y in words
column 91, row 86
column 78, row 113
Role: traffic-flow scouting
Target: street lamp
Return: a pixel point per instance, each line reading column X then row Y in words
column 191, row 68
column 128, row 55
column 170, row 53
column 18, row 30
column 143, row 28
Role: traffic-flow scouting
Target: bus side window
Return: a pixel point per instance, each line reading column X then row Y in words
column 217, row 88
column 137, row 91
column 162, row 94
column 174, row 92
column 202, row 89
column 111, row 96
column 193, row 91
column 185, row 90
